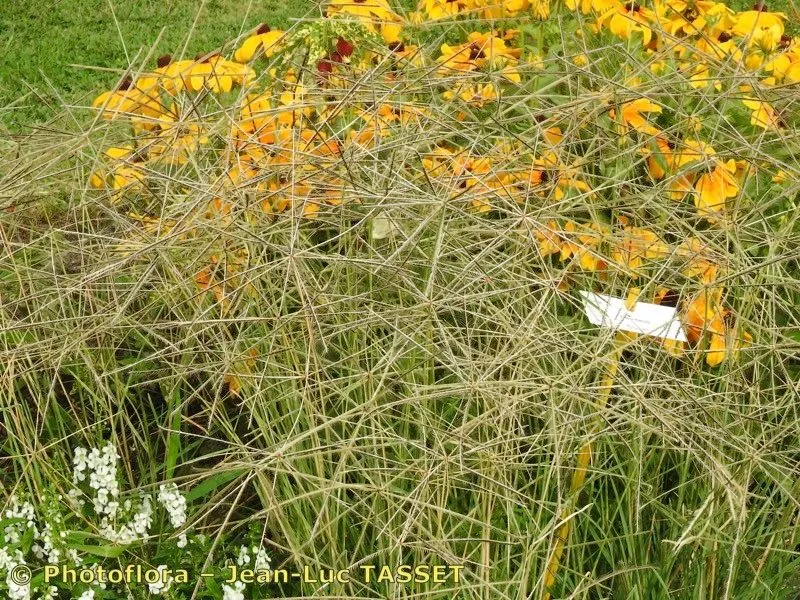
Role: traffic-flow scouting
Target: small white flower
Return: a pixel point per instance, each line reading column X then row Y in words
column 79, row 465
column 17, row 592
column 262, row 559
column 49, row 593
column 72, row 554
column 99, row 468
column 23, row 511
column 136, row 529
column 244, row 556
column 163, row 583
column 171, row 499
column 75, row 497
column 235, row 592
column 48, row 547
column 8, row 563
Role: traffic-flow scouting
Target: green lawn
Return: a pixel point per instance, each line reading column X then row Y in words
column 52, row 49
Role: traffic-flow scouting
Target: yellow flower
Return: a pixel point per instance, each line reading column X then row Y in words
column 502, row 9
column 714, row 188
column 698, row 264
column 701, row 77
column 760, row 27
column 443, row 9
column 376, row 15
column 680, row 185
column 171, row 73
column 587, row 6
column 692, row 151
column 584, row 248
column 406, row 54
column 624, row 19
column 551, row 134
column 125, row 172
column 632, row 115
column 377, row 124
column 763, row 115
column 659, row 157
column 302, row 146
column 548, row 240
column 705, row 316
column 780, row 177
column 176, row 142
column 785, row 68
column 440, row 161
column 142, row 106
column 580, row 60
column 480, row 50
column 264, row 40
column 219, row 74
column 476, row 95
column 210, row 72
column 636, row 245
column 722, row 47
column 681, row 17
column 540, row 9
column 566, row 178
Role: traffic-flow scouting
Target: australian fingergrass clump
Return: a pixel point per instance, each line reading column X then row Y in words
column 319, row 293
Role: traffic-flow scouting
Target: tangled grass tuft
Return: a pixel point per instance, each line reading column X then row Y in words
column 330, row 292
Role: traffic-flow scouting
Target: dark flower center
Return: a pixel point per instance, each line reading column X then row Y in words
column 728, row 319
column 724, row 37
column 475, row 51
column 344, row 48
column 670, row 299
column 163, row 61
column 125, row 84
column 262, row 29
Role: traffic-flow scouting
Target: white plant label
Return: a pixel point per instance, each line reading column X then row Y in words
column 649, row 319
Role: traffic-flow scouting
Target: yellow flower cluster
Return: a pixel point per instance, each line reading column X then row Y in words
column 698, row 34
column 481, row 179
column 146, row 99
column 377, row 15
column 286, row 129
column 481, row 51
column 600, row 248
column 435, row 10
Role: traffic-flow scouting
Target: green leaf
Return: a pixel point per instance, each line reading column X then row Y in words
column 212, row 483
column 75, row 540
column 104, row 551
